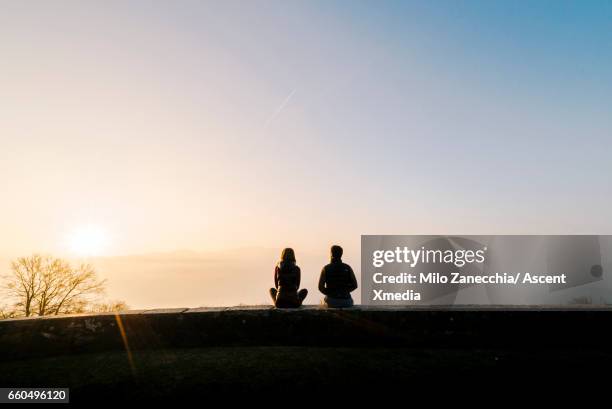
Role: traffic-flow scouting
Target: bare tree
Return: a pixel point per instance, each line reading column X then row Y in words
column 112, row 306
column 6, row 312
column 24, row 284
column 74, row 288
column 51, row 277
column 44, row 285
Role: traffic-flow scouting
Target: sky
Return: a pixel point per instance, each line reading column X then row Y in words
column 210, row 126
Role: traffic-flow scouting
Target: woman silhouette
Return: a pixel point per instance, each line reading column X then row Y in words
column 287, row 281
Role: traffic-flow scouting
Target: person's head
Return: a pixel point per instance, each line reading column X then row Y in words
column 336, row 252
column 288, row 255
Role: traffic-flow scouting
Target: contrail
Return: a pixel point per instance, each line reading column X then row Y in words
column 279, row 109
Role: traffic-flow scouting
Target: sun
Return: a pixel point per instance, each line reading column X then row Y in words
column 89, row 240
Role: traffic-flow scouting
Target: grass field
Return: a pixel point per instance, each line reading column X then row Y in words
column 185, row 373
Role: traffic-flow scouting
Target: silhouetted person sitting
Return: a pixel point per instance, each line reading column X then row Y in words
column 337, row 281
column 287, row 277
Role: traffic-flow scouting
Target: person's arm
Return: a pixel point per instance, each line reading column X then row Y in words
column 298, row 277
column 276, row 277
column 353, row 284
column 322, row 280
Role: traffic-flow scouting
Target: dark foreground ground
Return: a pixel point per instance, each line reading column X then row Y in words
column 261, row 353
column 197, row 373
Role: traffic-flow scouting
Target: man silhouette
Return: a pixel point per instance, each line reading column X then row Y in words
column 337, row 281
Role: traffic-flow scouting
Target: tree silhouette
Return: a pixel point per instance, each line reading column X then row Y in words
column 44, row 285
column 112, row 306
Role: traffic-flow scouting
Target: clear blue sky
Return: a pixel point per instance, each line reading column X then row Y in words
column 196, row 124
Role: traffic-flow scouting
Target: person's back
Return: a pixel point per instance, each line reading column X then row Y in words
column 337, row 281
column 287, row 276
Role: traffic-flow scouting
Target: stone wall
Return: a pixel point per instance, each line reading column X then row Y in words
column 308, row 326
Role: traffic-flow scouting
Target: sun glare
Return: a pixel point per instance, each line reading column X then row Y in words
column 88, row 241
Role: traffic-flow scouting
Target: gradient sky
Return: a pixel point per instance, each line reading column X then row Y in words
column 216, row 125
